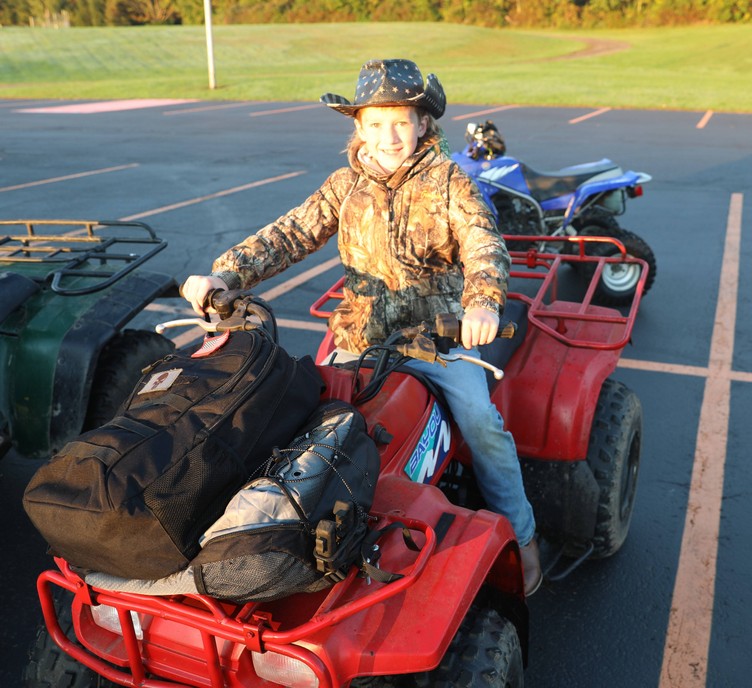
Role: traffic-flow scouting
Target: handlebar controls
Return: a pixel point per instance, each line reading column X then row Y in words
column 237, row 310
column 498, row 373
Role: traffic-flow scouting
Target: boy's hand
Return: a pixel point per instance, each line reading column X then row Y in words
column 479, row 326
column 195, row 289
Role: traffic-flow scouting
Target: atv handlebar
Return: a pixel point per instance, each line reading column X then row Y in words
column 432, row 343
column 234, row 308
column 425, row 342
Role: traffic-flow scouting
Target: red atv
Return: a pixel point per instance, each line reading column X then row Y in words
column 457, row 616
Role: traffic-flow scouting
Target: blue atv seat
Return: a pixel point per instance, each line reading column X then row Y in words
column 15, row 289
column 546, row 185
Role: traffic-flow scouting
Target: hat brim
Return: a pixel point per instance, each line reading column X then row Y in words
column 340, row 104
column 433, row 100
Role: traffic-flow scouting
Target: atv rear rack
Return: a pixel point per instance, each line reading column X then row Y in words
column 565, row 321
column 81, row 252
column 248, row 625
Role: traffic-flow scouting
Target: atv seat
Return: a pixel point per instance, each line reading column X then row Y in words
column 15, row 289
column 546, row 185
column 500, row 351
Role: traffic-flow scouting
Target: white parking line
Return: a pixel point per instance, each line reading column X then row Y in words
column 302, row 278
column 67, row 177
column 219, row 194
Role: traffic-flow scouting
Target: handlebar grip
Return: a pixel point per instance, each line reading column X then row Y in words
column 208, row 301
column 507, row 330
column 450, row 326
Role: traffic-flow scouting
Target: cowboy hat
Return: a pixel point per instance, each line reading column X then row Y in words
column 391, row 83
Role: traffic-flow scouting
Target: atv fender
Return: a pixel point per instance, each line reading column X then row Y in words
column 80, row 349
column 410, row 632
column 550, row 390
column 39, row 434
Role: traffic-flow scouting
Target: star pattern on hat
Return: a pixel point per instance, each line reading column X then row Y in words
column 391, row 82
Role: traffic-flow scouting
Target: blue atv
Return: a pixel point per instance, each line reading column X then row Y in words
column 578, row 201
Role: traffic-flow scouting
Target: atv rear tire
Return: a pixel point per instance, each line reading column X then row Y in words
column 50, row 667
column 119, row 369
column 485, row 652
column 516, row 217
column 614, row 457
column 618, row 281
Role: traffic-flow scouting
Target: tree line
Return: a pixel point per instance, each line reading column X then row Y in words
column 489, row 13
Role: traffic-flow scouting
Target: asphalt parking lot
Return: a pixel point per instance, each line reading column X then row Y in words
column 672, row 608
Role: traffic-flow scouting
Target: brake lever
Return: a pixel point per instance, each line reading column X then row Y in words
column 186, row 322
column 498, row 373
column 232, row 324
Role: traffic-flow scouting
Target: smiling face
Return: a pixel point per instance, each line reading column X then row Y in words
column 390, row 134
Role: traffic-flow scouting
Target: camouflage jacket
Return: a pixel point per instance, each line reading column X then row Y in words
column 418, row 242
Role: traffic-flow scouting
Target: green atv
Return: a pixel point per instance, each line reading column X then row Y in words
column 68, row 289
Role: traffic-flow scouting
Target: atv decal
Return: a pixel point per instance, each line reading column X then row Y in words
column 432, row 449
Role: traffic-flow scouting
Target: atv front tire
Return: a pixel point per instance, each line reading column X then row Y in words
column 119, row 369
column 614, row 458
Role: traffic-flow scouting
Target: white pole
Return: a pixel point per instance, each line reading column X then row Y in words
column 209, row 43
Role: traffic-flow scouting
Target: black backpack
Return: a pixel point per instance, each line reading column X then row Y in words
column 133, row 497
column 297, row 527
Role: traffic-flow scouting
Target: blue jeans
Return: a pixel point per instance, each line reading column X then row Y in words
column 495, row 462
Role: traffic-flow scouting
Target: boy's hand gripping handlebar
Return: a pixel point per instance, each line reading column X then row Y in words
column 433, row 345
column 234, row 309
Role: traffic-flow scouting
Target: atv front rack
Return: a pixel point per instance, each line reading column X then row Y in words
column 82, row 254
column 571, row 321
column 126, row 657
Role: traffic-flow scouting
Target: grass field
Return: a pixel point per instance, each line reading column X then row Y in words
column 688, row 68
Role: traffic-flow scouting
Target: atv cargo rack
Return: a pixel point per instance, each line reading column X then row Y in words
column 81, row 256
column 209, row 627
column 566, row 321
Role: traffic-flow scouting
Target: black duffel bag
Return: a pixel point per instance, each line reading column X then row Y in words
column 132, row 497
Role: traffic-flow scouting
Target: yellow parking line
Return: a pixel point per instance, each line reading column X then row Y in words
column 595, row 113
column 685, row 655
column 705, row 119
column 481, row 113
column 278, row 111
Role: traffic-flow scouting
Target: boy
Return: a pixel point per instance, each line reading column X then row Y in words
column 415, row 239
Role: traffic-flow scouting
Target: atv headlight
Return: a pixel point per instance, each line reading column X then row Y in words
column 286, row 671
column 107, row 617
